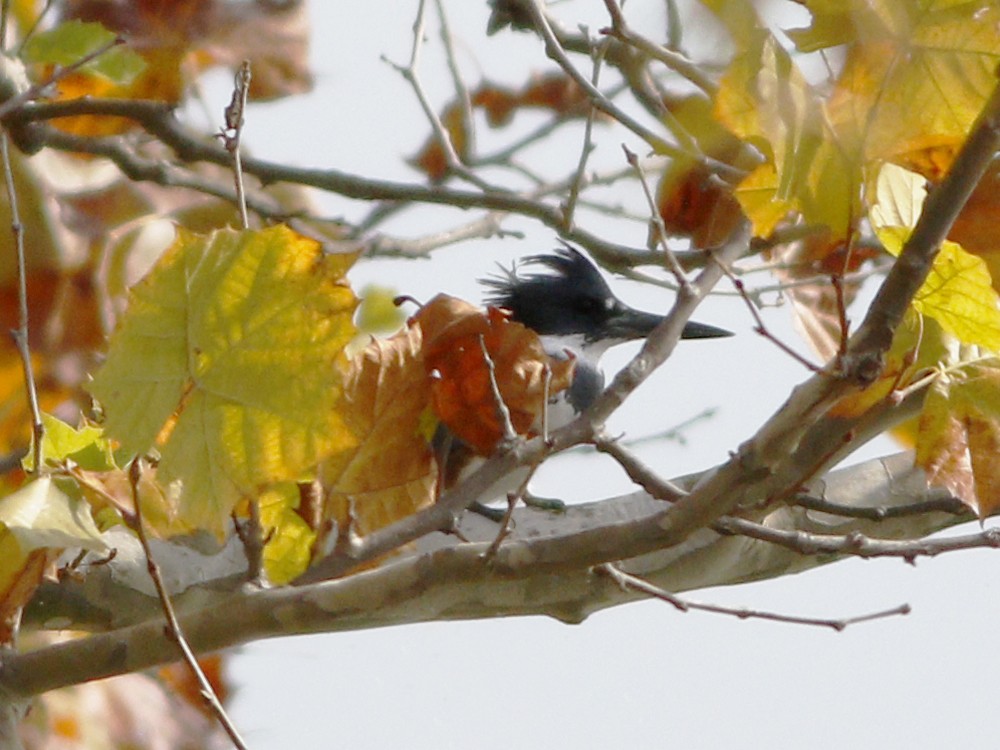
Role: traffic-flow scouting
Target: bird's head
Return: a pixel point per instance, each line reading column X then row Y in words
column 570, row 300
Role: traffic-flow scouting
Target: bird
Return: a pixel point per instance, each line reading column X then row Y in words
column 575, row 314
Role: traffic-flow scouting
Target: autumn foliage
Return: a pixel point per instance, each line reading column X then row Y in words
column 229, row 361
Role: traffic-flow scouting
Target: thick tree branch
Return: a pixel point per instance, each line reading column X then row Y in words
column 543, row 568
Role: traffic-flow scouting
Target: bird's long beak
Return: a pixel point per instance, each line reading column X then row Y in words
column 628, row 324
column 695, row 330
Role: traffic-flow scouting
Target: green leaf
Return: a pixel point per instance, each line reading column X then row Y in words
column 226, row 363
column 86, row 446
column 70, row 42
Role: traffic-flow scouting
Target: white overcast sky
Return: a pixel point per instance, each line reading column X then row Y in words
column 644, row 675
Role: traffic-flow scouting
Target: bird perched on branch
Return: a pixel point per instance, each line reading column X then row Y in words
column 576, row 315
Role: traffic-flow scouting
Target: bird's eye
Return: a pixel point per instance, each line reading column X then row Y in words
column 592, row 306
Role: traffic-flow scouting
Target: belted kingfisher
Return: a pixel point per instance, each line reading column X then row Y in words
column 574, row 312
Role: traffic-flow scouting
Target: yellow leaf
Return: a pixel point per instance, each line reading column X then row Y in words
column 378, row 312
column 916, row 73
column 757, row 195
column 230, row 344
column 764, row 98
column 958, row 291
column 289, row 538
column 959, row 294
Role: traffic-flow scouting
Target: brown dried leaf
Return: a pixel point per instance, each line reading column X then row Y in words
column 390, row 473
column 462, row 392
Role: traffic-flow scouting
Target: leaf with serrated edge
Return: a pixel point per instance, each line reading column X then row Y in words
column 231, row 343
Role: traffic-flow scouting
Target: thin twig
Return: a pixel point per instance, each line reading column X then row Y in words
column 857, row 544
column 20, row 334
column 657, row 219
column 232, row 134
column 675, row 433
column 173, row 628
column 441, row 134
column 555, row 51
column 880, row 513
column 34, row 26
column 158, row 121
column 502, row 412
column 637, row 471
column 672, row 60
column 761, row 329
column 569, row 206
column 628, row 581
column 461, row 90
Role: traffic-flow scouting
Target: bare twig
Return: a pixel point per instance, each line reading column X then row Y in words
column 881, row 513
column 675, row 433
column 657, row 219
column 232, row 134
column 461, row 90
column 857, row 544
column 158, row 120
column 672, row 60
column 555, row 51
column 441, row 134
column 20, row 334
column 628, row 581
column 34, row 26
column 761, row 329
column 173, row 629
column 503, row 413
column 637, row 471
column 569, row 206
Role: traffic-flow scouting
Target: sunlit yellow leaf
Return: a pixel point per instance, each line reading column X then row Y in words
column 958, row 292
column 916, row 73
column 765, row 99
column 289, row 538
column 757, row 195
column 230, row 344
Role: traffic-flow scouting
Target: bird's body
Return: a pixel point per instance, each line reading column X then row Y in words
column 576, row 315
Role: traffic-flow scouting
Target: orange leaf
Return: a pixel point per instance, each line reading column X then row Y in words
column 180, row 39
column 462, row 390
column 431, row 159
column 179, row 677
column 693, row 203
